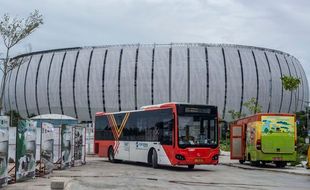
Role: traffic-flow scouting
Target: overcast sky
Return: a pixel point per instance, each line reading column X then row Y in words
column 278, row 24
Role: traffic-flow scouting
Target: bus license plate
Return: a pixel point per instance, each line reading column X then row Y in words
column 198, row 160
column 277, row 158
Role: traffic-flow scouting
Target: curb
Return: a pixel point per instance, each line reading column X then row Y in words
column 264, row 169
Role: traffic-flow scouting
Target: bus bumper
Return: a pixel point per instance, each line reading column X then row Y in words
column 185, row 159
column 261, row 156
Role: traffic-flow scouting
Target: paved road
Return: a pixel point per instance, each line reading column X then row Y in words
column 100, row 174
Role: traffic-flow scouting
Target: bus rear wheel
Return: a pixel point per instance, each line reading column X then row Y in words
column 154, row 159
column 190, row 167
column 111, row 155
column 280, row 164
column 253, row 163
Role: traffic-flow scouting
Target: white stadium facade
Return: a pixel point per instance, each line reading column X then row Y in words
column 81, row 81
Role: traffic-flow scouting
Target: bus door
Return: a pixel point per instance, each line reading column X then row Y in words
column 236, row 142
column 123, row 150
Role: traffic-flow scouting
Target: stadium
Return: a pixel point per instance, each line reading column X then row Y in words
column 81, row 81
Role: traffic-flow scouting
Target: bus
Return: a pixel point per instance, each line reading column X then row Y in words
column 165, row 134
column 264, row 138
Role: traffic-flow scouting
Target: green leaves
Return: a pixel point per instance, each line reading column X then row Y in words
column 290, row 83
column 253, row 106
column 14, row 118
column 235, row 114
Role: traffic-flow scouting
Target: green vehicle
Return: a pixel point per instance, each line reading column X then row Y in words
column 264, row 138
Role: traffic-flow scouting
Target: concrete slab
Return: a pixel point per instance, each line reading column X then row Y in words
column 59, row 183
column 98, row 173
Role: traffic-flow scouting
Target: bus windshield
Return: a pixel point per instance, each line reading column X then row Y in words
column 197, row 131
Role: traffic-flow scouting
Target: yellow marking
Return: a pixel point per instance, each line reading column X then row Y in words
column 114, row 122
column 112, row 127
column 115, row 126
column 124, row 122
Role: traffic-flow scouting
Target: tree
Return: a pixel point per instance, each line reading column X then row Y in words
column 291, row 84
column 253, row 106
column 14, row 118
column 13, row 30
column 301, row 117
column 236, row 114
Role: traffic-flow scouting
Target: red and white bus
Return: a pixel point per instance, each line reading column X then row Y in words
column 165, row 134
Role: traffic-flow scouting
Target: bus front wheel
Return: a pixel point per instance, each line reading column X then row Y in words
column 191, row 166
column 154, row 159
column 111, row 155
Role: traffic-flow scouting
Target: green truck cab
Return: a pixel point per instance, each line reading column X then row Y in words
column 264, row 138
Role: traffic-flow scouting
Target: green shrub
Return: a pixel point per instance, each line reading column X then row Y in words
column 225, row 145
column 302, row 149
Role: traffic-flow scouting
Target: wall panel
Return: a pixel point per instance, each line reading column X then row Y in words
column 67, row 83
column 127, row 79
column 81, row 72
column 12, row 88
column 198, row 75
column 161, row 75
column 42, row 83
column 264, row 77
column 95, row 81
column 20, row 93
column 286, row 94
column 294, row 104
column 234, row 82
column 31, row 84
column 276, row 93
column 249, row 76
column 304, row 84
column 217, row 78
column 111, row 79
column 179, row 74
column 53, row 85
column 144, row 77
column 300, row 88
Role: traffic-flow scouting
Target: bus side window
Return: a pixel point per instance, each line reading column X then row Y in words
column 103, row 130
column 167, row 132
column 159, row 129
column 107, row 132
